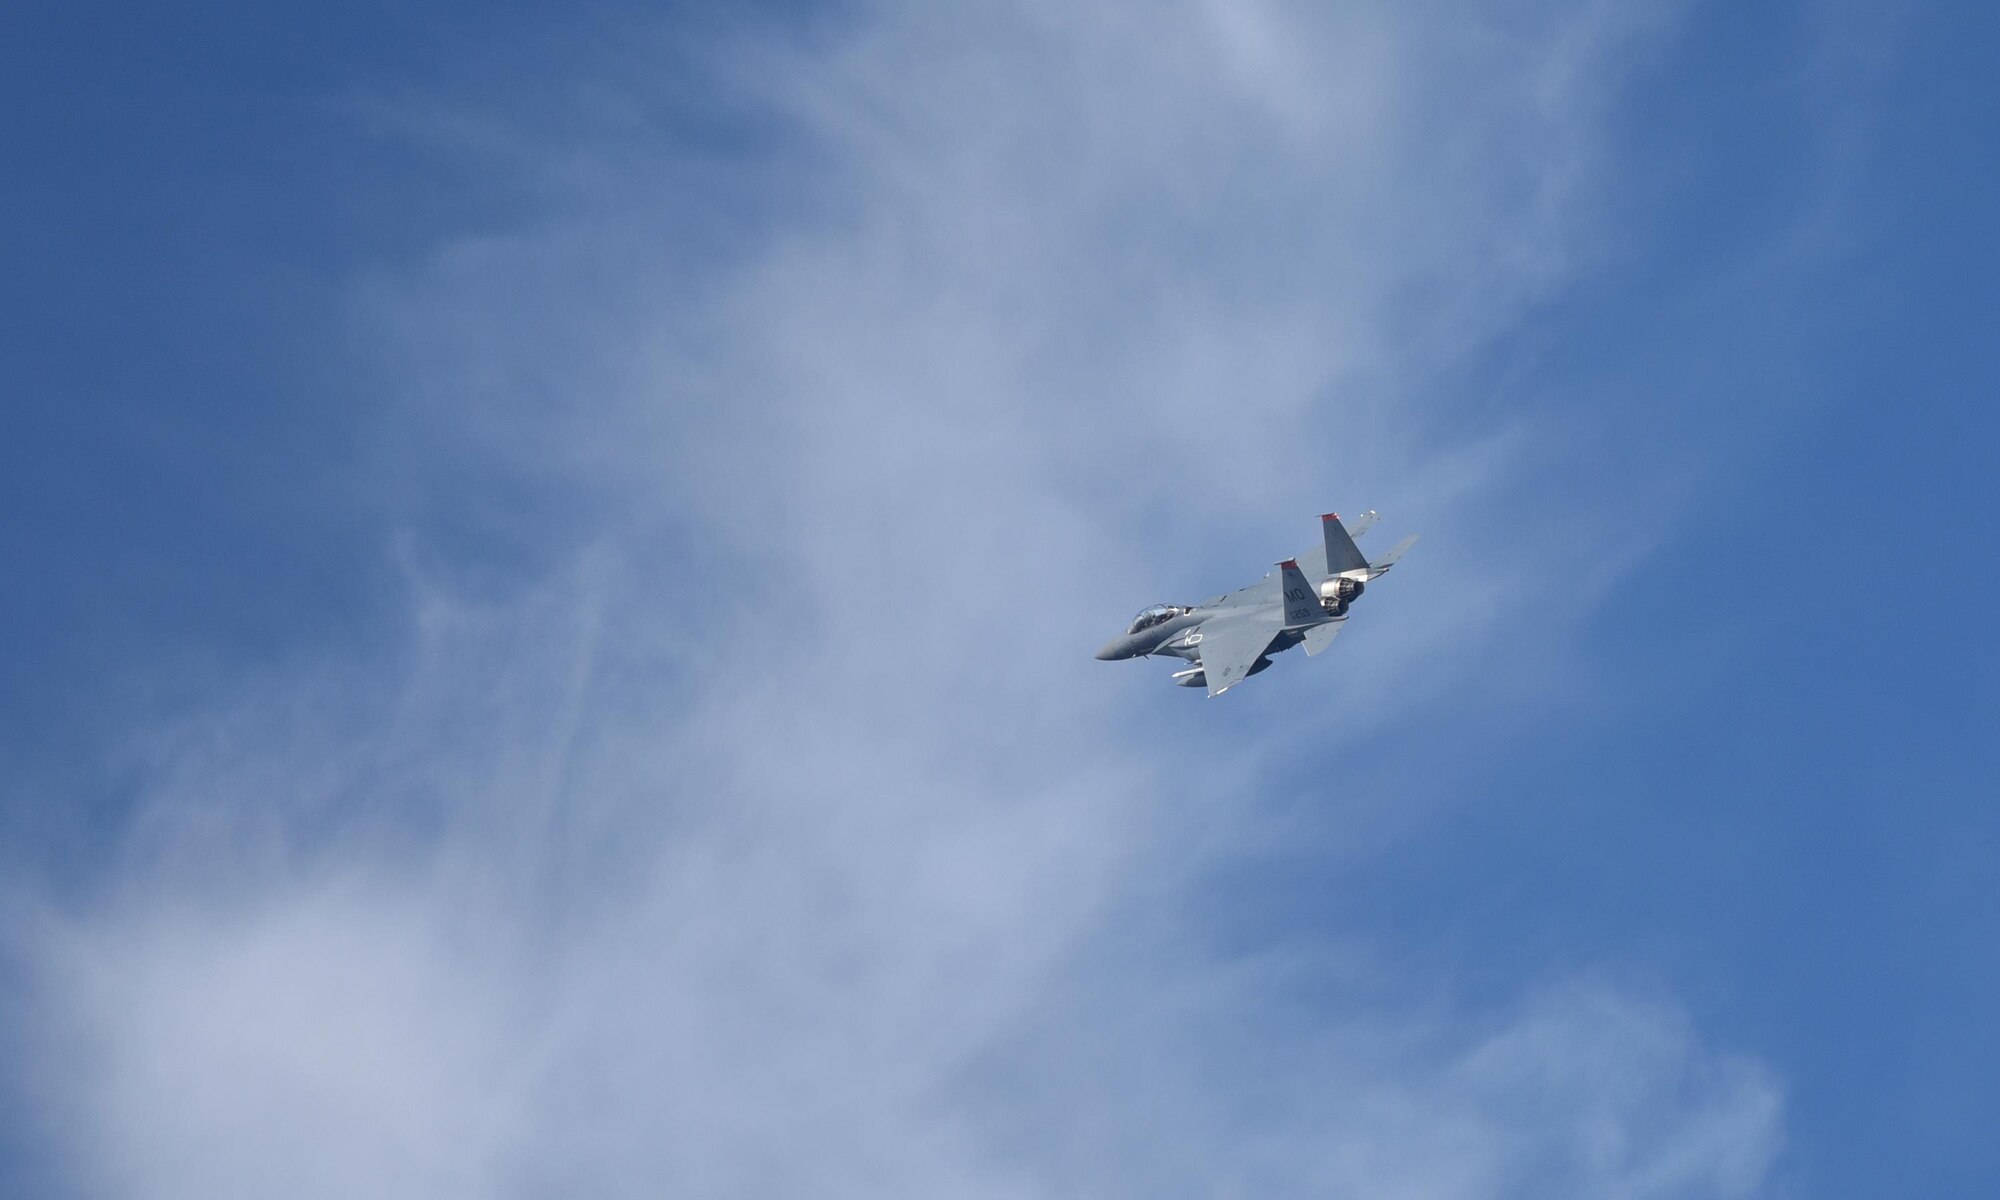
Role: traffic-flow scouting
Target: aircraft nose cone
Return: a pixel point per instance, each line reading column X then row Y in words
column 1112, row 650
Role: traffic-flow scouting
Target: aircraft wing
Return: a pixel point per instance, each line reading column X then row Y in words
column 1232, row 643
column 1265, row 593
column 1380, row 566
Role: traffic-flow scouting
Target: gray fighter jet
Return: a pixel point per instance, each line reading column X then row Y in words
column 1232, row 637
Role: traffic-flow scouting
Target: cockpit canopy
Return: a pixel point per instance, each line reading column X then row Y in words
column 1150, row 617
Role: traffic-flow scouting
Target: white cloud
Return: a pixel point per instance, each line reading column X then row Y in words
column 788, row 838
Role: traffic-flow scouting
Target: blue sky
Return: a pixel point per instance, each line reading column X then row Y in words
column 556, row 557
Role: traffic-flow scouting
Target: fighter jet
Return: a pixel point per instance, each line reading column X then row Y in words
column 1232, row 637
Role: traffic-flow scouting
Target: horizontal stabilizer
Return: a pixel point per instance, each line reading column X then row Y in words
column 1319, row 637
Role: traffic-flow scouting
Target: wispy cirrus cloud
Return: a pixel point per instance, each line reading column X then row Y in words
column 772, row 829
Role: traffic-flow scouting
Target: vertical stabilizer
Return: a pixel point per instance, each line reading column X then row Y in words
column 1343, row 557
column 1301, row 599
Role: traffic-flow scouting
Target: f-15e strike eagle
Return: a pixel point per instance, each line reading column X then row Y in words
column 1230, row 638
